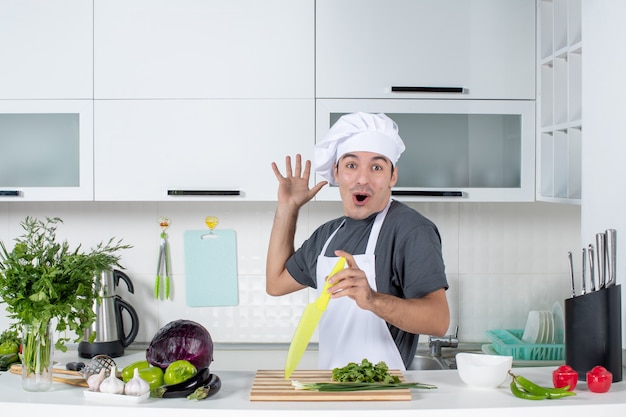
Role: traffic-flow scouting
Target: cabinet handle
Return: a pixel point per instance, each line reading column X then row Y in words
column 434, row 193
column 404, row 89
column 182, row 193
column 10, row 193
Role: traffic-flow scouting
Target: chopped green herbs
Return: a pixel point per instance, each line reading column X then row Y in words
column 364, row 372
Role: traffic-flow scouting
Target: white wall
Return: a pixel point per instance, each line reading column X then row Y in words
column 502, row 260
column 604, row 138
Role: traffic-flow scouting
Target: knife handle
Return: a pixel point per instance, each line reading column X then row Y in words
column 584, row 274
column 611, row 255
column 592, row 270
column 601, row 259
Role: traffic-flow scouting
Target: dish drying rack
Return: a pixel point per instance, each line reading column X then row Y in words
column 509, row 342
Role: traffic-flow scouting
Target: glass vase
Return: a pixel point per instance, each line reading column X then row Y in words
column 37, row 352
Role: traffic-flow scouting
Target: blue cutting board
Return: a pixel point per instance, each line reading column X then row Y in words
column 211, row 268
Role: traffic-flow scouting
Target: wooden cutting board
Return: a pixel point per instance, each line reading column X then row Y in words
column 271, row 385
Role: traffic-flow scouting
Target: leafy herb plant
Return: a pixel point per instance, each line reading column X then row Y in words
column 44, row 281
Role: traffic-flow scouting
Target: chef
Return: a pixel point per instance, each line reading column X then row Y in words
column 394, row 285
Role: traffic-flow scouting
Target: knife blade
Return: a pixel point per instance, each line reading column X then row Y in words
column 308, row 323
column 611, row 256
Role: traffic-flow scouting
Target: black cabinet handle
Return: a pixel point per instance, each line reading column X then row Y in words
column 434, row 193
column 9, row 193
column 183, row 193
column 406, row 89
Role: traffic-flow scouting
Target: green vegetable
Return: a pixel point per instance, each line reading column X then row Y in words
column 364, row 372
column 358, row 386
column 42, row 279
column 153, row 375
column 7, row 360
column 129, row 371
column 525, row 395
column 523, row 388
column 179, row 371
column 9, row 347
column 184, row 388
column 10, row 335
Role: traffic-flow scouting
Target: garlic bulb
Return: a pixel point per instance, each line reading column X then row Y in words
column 136, row 386
column 111, row 384
column 94, row 381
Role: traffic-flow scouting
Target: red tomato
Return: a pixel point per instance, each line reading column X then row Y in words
column 564, row 376
column 599, row 379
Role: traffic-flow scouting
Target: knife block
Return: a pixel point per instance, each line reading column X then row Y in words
column 593, row 331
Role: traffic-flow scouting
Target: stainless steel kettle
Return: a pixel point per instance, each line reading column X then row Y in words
column 111, row 337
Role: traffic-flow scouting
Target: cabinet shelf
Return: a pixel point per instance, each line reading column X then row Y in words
column 559, row 101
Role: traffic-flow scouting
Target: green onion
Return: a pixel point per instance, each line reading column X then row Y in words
column 358, row 386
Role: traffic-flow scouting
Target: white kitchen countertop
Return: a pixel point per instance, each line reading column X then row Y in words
column 451, row 398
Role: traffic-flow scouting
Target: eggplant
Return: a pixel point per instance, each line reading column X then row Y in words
column 183, row 389
column 209, row 389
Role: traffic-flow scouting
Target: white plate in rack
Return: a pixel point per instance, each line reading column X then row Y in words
column 533, row 329
column 559, row 323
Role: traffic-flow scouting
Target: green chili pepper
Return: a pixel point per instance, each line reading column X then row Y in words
column 522, row 387
column 524, row 394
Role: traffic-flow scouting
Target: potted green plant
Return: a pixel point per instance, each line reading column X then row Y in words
column 47, row 286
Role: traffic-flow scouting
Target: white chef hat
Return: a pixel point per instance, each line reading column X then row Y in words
column 357, row 132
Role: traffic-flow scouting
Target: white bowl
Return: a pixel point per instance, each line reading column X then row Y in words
column 483, row 371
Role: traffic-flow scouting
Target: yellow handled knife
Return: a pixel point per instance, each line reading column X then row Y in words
column 308, row 323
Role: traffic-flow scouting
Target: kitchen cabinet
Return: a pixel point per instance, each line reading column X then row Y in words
column 203, row 49
column 559, row 101
column 182, row 150
column 365, row 48
column 46, row 150
column 46, row 49
column 457, row 150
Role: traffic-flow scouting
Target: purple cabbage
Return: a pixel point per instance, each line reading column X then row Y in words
column 178, row 340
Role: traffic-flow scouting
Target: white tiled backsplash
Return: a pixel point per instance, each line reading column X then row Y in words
column 502, row 260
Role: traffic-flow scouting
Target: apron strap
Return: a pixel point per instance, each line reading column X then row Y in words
column 331, row 238
column 378, row 223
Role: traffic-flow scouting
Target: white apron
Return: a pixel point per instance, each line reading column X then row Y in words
column 348, row 333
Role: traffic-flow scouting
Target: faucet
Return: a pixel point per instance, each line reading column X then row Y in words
column 436, row 343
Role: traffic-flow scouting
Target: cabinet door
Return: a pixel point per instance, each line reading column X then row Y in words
column 218, row 150
column 456, row 150
column 46, row 49
column 204, row 49
column 46, row 150
column 366, row 47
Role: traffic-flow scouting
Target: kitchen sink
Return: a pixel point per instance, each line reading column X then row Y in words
column 437, row 358
column 426, row 362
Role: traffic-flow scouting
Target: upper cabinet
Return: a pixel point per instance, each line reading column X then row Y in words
column 46, row 49
column 559, row 101
column 46, row 150
column 46, row 100
column 204, row 49
column 182, row 150
column 456, row 150
column 465, row 49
